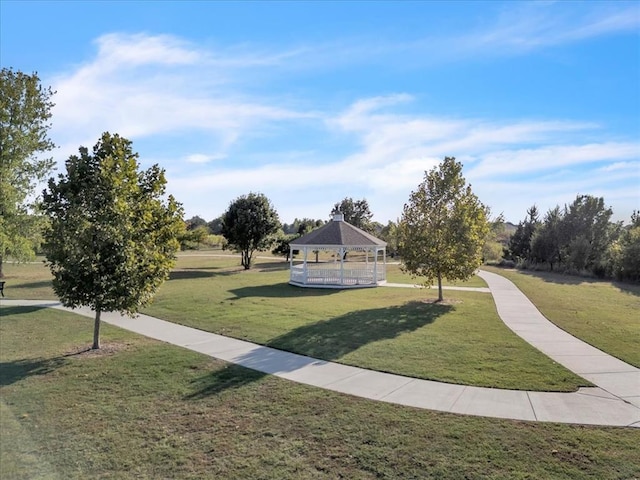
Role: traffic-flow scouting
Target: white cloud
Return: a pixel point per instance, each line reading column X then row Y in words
column 174, row 95
column 133, row 87
column 528, row 26
column 203, row 158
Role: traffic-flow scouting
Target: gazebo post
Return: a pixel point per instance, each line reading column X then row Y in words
column 375, row 266
column 304, row 268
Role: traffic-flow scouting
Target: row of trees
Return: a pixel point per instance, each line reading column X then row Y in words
column 579, row 238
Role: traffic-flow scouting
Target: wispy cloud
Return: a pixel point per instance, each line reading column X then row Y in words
column 524, row 27
column 192, row 107
column 133, row 86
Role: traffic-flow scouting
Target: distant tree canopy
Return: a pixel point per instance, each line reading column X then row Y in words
column 112, row 236
column 579, row 238
column 303, row 226
column 443, row 227
column 520, row 242
column 390, row 233
column 249, row 224
column 197, row 222
column 356, row 212
column 25, row 111
column 215, row 226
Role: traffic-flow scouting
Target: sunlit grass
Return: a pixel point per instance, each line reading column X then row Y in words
column 603, row 313
column 150, row 410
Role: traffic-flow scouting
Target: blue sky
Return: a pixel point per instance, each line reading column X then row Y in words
column 309, row 103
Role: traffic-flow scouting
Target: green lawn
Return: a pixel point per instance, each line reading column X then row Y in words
column 388, row 329
column 604, row 314
column 151, row 410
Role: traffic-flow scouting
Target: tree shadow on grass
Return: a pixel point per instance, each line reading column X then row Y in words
column 16, row 370
column 274, row 266
column 332, row 339
column 229, row 377
column 328, row 340
column 281, row 290
column 198, row 272
column 38, row 284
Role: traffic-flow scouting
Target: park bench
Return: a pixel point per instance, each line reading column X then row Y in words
column 2, row 288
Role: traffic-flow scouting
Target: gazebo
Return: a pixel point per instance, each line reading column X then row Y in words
column 338, row 238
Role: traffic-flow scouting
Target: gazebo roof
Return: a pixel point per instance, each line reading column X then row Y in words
column 338, row 233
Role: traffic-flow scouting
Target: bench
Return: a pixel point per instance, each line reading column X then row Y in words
column 2, row 288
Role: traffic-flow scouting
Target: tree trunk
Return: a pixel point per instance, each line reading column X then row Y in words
column 1, row 262
column 96, row 331
column 246, row 259
column 440, row 298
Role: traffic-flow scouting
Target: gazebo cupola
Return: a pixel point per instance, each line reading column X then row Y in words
column 338, row 238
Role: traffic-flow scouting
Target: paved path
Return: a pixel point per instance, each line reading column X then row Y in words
column 614, row 402
column 520, row 315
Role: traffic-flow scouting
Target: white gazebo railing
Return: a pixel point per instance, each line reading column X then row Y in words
column 345, row 274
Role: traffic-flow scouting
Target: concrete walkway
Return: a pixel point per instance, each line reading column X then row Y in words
column 614, row 402
column 520, row 315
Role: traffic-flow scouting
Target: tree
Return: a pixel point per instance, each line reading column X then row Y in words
column 112, row 237
column 390, row 234
column 282, row 244
column 249, row 224
column 215, row 226
column 192, row 238
column 587, row 233
column 545, row 243
column 443, row 227
column 520, row 242
column 493, row 247
column 624, row 252
column 197, row 222
column 357, row 213
column 25, row 110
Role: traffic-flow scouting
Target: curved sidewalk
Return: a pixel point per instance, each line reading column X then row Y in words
column 521, row 315
column 592, row 405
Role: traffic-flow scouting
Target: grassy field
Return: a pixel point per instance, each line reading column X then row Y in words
column 604, row 314
column 143, row 409
column 388, row 329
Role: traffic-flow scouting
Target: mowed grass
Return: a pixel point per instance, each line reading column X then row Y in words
column 28, row 281
column 144, row 409
column 602, row 313
column 387, row 329
column 394, row 330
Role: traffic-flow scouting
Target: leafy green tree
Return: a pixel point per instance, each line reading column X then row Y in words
column 391, row 234
column 306, row 225
column 492, row 249
column 443, row 227
column 519, row 247
column 586, row 233
column 356, row 212
column 282, row 244
column 249, row 224
column 25, row 110
column 197, row 222
column 192, row 238
column 215, row 226
column 625, row 252
column 545, row 243
column 112, row 237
